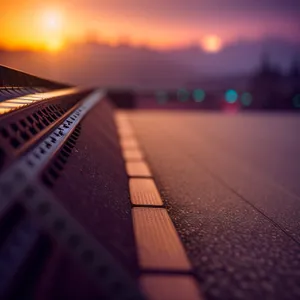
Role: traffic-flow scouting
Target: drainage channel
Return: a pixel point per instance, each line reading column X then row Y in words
column 21, row 181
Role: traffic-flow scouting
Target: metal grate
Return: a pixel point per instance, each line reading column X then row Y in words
column 21, row 253
column 20, row 129
column 20, row 132
column 56, row 166
column 10, row 220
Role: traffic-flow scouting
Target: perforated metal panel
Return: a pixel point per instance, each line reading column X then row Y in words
column 47, row 249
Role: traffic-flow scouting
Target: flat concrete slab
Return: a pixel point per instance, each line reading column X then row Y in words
column 231, row 186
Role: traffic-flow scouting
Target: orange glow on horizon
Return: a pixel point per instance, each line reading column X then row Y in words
column 52, row 22
column 51, row 25
column 29, row 26
column 32, row 25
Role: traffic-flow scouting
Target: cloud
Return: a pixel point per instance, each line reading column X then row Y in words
column 197, row 13
column 131, row 66
column 198, row 5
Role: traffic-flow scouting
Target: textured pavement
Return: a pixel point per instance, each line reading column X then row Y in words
column 231, row 185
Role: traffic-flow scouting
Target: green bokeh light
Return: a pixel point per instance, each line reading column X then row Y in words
column 162, row 97
column 296, row 101
column 231, row 96
column 198, row 95
column 246, row 99
column 183, row 95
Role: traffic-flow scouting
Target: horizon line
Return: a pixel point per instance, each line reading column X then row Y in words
column 177, row 46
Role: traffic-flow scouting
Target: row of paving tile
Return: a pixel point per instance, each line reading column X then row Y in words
column 166, row 270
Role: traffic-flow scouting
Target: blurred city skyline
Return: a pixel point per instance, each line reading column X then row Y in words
column 128, row 66
column 139, row 43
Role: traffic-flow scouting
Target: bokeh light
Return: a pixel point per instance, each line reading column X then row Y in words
column 212, row 43
column 52, row 28
column 183, row 95
column 246, row 99
column 296, row 101
column 52, row 20
column 231, row 96
column 198, row 95
column 161, row 97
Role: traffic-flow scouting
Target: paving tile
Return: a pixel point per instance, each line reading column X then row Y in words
column 133, row 155
column 138, row 169
column 158, row 244
column 126, row 132
column 123, row 123
column 170, row 287
column 143, row 191
column 129, row 143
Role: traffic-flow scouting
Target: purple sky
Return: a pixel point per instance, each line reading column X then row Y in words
column 158, row 23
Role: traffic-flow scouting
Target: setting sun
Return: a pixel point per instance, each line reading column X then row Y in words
column 52, row 20
column 52, row 24
column 212, row 43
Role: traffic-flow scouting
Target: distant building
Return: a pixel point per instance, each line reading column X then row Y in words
column 265, row 86
column 273, row 90
column 294, row 79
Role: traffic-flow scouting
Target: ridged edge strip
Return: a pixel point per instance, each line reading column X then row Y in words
column 166, row 273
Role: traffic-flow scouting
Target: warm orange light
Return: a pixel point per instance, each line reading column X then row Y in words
column 54, row 45
column 211, row 43
column 52, row 20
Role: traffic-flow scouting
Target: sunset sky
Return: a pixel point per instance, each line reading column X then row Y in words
column 33, row 24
